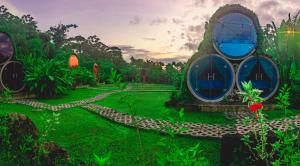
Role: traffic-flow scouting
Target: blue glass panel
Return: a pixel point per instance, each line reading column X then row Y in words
column 210, row 78
column 262, row 72
column 234, row 35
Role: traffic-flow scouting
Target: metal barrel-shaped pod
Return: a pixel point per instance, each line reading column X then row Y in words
column 6, row 48
column 262, row 72
column 210, row 78
column 11, row 76
column 234, row 35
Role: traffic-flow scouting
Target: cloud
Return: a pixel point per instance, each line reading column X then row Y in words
column 196, row 18
column 136, row 20
column 268, row 4
column 177, row 58
column 158, row 21
column 195, row 28
column 191, row 46
column 130, row 51
column 177, row 21
column 193, row 35
column 149, row 39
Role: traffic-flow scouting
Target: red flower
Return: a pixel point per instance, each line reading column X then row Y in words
column 256, row 106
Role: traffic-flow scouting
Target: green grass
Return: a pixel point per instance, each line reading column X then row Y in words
column 277, row 114
column 138, row 86
column 84, row 134
column 78, row 94
column 151, row 105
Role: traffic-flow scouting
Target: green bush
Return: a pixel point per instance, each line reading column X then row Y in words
column 46, row 78
column 115, row 78
column 5, row 96
column 82, row 76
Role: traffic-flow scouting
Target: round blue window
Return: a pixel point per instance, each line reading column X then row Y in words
column 234, row 36
column 210, row 78
column 262, row 72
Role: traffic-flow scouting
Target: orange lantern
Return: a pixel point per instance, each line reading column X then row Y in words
column 73, row 61
column 96, row 71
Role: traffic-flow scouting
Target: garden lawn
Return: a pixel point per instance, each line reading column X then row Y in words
column 152, row 105
column 137, row 86
column 84, row 134
column 277, row 114
column 79, row 94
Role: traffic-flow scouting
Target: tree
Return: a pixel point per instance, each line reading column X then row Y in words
column 58, row 33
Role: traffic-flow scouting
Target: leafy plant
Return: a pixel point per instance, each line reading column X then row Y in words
column 284, row 150
column 46, row 78
column 82, row 76
column 288, row 148
column 130, row 102
column 103, row 161
column 173, row 154
column 282, row 43
column 6, row 96
column 114, row 77
column 283, row 99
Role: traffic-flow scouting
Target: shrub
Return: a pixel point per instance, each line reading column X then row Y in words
column 5, row 96
column 267, row 146
column 115, row 78
column 283, row 98
column 46, row 78
column 82, row 76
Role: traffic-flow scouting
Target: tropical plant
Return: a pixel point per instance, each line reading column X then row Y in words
column 284, row 150
column 103, row 161
column 5, row 96
column 46, row 78
column 174, row 154
column 282, row 43
column 130, row 101
column 283, row 99
column 82, row 76
column 115, row 78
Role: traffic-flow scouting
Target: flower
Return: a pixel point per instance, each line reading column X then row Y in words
column 256, row 106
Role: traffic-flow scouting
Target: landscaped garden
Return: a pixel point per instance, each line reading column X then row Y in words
column 76, row 101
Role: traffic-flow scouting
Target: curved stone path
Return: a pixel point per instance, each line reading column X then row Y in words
column 191, row 129
column 37, row 104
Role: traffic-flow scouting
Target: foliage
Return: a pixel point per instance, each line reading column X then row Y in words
column 288, row 148
column 285, row 149
column 5, row 96
column 103, row 161
column 174, row 154
column 155, row 72
column 131, row 101
column 46, row 78
column 282, row 43
column 249, row 94
column 58, row 33
column 82, row 76
column 283, row 99
column 115, row 78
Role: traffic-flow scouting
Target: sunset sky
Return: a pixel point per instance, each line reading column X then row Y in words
column 163, row 30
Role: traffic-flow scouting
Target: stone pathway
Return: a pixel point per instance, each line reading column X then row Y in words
column 238, row 115
column 192, row 129
column 37, row 104
column 41, row 105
